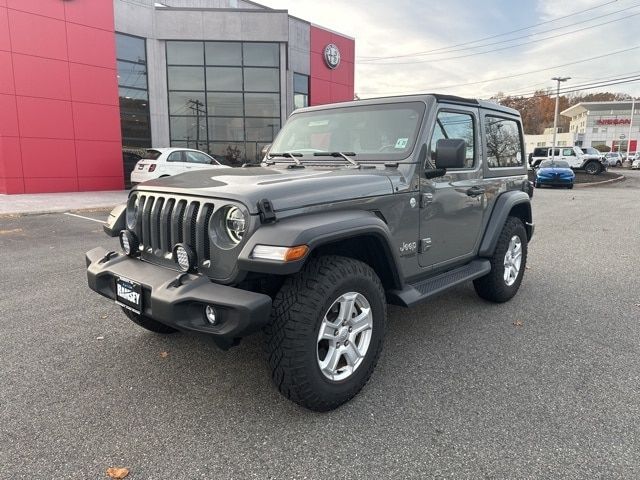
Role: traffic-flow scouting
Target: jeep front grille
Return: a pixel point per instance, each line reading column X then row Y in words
column 164, row 221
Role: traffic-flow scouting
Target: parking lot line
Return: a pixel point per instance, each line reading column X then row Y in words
column 85, row 218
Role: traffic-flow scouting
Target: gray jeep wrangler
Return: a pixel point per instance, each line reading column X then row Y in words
column 355, row 206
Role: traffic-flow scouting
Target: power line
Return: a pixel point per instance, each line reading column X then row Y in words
column 506, row 33
column 515, row 75
column 591, row 87
column 527, row 90
column 510, row 46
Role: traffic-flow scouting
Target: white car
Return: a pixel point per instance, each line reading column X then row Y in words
column 164, row 162
column 613, row 159
column 636, row 164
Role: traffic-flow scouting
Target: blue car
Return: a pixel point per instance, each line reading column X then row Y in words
column 554, row 172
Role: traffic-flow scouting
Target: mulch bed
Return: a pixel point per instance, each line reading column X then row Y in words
column 582, row 177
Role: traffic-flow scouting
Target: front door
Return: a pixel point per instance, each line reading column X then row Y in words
column 452, row 206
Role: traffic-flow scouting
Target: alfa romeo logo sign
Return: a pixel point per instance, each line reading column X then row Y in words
column 332, row 56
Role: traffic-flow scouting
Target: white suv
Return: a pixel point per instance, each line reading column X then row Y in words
column 163, row 162
column 614, row 159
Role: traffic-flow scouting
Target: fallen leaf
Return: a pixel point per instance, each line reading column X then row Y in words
column 99, row 338
column 518, row 323
column 117, row 472
column 103, row 316
column 164, row 354
column 637, row 304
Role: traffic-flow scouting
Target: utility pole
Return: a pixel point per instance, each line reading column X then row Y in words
column 555, row 117
column 195, row 106
column 633, row 106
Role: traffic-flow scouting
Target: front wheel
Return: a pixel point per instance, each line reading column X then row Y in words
column 508, row 263
column 326, row 332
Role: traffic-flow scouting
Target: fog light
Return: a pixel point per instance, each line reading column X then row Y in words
column 129, row 243
column 210, row 313
column 184, row 257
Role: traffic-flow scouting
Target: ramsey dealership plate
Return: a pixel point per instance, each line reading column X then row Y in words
column 129, row 294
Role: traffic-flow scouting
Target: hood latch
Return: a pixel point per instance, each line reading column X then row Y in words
column 265, row 209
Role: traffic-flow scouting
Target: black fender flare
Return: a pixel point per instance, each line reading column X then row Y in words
column 316, row 230
column 116, row 221
column 503, row 206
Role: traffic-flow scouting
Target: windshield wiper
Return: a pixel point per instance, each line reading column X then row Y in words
column 344, row 155
column 290, row 155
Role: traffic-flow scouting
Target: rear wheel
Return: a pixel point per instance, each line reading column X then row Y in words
column 148, row 323
column 592, row 168
column 326, row 332
column 508, row 263
column 570, row 186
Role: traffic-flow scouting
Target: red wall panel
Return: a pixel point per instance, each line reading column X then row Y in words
column 331, row 85
column 95, row 13
column 5, row 43
column 47, row 8
column 41, row 77
column 96, row 122
column 48, row 158
column 6, row 73
column 8, row 116
column 84, row 42
column 59, row 113
column 93, row 84
column 11, row 167
column 45, row 118
column 106, row 158
column 39, row 36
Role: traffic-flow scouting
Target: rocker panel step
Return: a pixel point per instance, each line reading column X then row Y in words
column 417, row 292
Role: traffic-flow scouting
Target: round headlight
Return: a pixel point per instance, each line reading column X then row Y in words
column 235, row 224
column 133, row 208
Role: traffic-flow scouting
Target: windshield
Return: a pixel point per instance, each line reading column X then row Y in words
column 554, row 164
column 372, row 132
column 590, row 151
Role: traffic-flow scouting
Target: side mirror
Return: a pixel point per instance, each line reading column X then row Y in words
column 451, row 153
column 264, row 150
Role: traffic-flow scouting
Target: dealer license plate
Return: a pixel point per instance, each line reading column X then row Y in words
column 129, row 294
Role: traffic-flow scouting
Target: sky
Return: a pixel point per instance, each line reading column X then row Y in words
column 446, row 34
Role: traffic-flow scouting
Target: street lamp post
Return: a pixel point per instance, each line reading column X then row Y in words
column 555, row 117
column 633, row 107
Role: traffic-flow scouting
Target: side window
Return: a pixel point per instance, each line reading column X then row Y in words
column 454, row 125
column 504, row 148
column 567, row 152
column 175, row 157
column 197, row 157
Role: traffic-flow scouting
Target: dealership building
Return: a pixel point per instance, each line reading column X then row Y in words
column 81, row 81
column 593, row 124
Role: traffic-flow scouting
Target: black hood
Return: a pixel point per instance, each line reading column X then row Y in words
column 286, row 188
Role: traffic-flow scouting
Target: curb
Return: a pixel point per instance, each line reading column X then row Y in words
column 595, row 184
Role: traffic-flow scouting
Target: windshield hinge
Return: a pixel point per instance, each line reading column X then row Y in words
column 426, row 199
column 265, row 209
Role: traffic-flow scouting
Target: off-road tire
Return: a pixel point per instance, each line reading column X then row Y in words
column 292, row 332
column 592, row 168
column 148, row 323
column 570, row 186
column 492, row 286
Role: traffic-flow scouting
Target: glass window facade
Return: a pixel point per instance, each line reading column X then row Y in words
column 224, row 97
column 300, row 90
column 133, row 88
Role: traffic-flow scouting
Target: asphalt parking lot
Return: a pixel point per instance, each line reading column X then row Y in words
column 545, row 386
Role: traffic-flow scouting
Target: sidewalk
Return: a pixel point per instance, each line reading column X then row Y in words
column 30, row 204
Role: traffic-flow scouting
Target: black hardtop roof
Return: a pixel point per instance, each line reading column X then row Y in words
column 440, row 98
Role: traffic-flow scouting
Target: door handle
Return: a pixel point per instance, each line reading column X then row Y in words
column 475, row 191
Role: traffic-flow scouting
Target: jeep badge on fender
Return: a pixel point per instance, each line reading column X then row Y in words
column 354, row 206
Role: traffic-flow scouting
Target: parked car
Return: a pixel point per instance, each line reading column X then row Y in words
column 354, row 206
column 577, row 159
column 164, row 162
column 636, row 164
column 613, row 159
column 129, row 160
column 556, row 173
column 632, row 157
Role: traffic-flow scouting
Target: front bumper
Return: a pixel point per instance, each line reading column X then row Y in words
column 181, row 304
column 554, row 181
